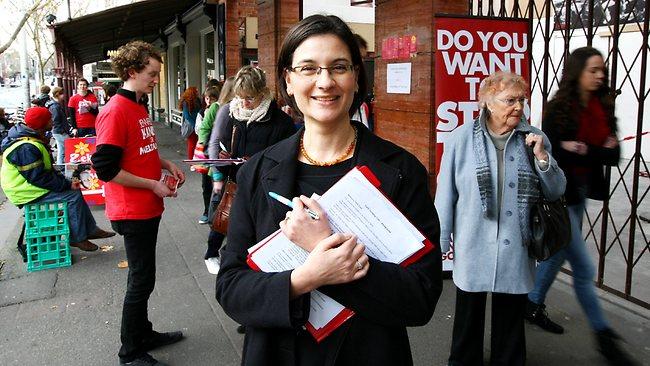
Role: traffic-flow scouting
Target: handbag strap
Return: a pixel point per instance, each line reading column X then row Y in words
column 531, row 158
column 232, row 150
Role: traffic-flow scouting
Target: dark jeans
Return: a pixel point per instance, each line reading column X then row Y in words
column 81, row 132
column 80, row 218
column 215, row 239
column 508, row 341
column 140, row 238
column 206, row 183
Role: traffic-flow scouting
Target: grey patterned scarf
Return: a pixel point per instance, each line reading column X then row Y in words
column 528, row 190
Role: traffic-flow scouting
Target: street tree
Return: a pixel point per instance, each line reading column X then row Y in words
column 28, row 13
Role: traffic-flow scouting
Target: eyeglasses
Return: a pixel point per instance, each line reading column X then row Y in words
column 311, row 71
column 511, row 101
column 248, row 99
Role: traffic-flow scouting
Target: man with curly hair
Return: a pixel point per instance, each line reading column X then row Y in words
column 127, row 160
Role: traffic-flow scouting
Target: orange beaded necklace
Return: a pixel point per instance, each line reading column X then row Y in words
column 342, row 157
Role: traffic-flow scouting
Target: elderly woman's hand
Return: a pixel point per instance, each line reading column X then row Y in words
column 537, row 142
column 301, row 229
column 336, row 259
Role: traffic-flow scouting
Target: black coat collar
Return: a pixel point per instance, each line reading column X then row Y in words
column 281, row 177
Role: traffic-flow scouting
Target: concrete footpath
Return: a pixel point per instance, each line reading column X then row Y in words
column 71, row 316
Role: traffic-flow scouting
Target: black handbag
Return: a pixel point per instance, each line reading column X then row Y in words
column 550, row 228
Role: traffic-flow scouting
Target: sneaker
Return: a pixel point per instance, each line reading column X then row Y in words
column 203, row 219
column 609, row 346
column 86, row 246
column 212, row 264
column 144, row 360
column 536, row 314
column 157, row 340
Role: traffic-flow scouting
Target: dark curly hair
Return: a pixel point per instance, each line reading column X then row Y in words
column 317, row 25
column 133, row 56
column 565, row 104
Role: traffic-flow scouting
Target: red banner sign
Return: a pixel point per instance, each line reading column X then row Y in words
column 80, row 150
column 467, row 50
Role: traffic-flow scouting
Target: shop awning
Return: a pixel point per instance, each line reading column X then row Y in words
column 89, row 37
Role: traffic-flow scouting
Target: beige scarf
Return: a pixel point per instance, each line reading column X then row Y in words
column 240, row 113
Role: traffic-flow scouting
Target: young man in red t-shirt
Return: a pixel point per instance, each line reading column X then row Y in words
column 127, row 160
column 83, row 110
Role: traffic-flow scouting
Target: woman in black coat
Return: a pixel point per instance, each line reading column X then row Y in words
column 251, row 122
column 321, row 76
column 580, row 123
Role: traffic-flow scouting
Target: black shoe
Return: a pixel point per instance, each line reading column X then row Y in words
column 144, row 360
column 161, row 339
column 609, row 347
column 537, row 315
column 241, row 329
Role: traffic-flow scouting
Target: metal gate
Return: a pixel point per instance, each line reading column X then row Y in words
column 617, row 231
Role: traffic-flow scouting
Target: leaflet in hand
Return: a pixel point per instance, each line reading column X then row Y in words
column 353, row 205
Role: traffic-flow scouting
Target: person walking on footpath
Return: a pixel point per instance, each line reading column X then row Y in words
column 581, row 125
column 60, row 126
column 83, row 109
column 485, row 190
column 127, row 159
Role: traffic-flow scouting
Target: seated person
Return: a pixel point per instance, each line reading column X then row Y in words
column 27, row 176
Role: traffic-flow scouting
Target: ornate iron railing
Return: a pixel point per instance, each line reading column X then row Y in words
column 617, row 230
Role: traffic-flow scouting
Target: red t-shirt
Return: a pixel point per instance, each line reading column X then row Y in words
column 82, row 105
column 126, row 124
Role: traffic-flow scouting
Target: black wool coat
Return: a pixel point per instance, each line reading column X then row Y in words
column 387, row 300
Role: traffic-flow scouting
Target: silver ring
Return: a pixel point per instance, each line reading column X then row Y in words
column 359, row 266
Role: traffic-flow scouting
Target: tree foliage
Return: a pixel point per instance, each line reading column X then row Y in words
column 37, row 5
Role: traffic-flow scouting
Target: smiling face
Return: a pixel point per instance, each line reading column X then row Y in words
column 326, row 96
column 593, row 75
column 143, row 82
column 506, row 109
column 82, row 87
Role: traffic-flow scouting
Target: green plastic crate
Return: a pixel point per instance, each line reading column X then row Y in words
column 48, row 251
column 46, row 219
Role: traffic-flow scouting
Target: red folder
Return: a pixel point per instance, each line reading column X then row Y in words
column 345, row 314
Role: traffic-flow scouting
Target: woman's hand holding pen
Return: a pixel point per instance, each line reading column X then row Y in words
column 300, row 228
column 334, row 260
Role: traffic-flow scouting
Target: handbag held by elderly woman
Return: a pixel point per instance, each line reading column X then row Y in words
column 549, row 224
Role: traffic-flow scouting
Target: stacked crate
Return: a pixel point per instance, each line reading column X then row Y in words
column 47, row 235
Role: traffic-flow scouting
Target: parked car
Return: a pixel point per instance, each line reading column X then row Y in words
column 14, row 84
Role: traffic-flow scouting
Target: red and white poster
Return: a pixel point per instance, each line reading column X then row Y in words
column 467, row 50
column 79, row 151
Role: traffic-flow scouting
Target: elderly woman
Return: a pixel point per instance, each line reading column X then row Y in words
column 321, row 77
column 486, row 184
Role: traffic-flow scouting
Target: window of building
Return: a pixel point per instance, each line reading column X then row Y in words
column 209, row 69
column 178, row 73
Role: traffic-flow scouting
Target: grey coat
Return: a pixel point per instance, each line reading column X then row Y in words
column 489, row 253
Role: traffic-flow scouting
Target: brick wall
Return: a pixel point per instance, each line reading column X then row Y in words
column 409, row 119
column 274, row 20
column 236, row 13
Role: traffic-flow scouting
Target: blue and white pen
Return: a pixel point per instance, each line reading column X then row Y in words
column 287, row 202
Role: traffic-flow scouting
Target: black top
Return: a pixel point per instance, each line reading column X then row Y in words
column 318, row 179
column 578, row 188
